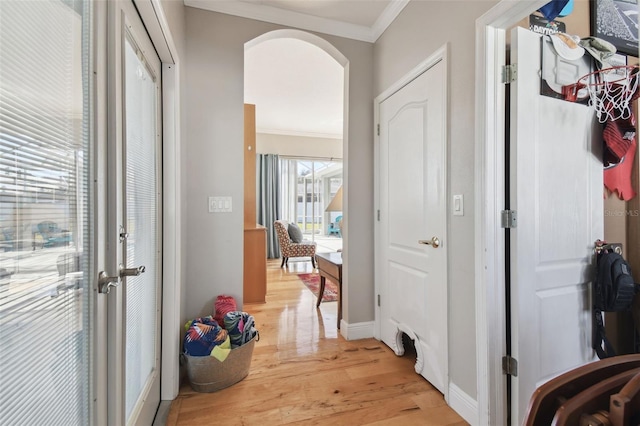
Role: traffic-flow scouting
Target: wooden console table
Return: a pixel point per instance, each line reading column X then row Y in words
column 330, row 266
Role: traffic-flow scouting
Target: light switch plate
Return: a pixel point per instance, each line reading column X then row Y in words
column 220, row 205
column 458, row 205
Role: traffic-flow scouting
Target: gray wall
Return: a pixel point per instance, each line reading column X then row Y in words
column 421, row 28
column 214, row 134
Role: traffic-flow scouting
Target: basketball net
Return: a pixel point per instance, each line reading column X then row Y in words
column 612, row 91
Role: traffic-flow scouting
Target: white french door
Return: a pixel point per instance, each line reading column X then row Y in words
column 47, row 301
column 79, row 159
column 134, row 225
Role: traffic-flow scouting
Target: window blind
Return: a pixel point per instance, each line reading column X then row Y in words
column 45, row 300
column 142, row 205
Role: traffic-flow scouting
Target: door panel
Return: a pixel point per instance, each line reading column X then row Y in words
column 413, row 285
column 556, row 188
column 134, row 237
column 142, row 201
column 46, row 240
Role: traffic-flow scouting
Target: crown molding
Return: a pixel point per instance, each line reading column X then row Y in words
column 285, row 132
column 274, row 15
column 387, row 16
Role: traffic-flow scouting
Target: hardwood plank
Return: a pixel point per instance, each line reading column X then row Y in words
column 303, row 372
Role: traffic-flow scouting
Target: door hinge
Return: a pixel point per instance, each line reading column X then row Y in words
column 378, row 300
column 510, row 365
column 378, row 127
column 509, row 73
column 509, row 219
column 378, row 215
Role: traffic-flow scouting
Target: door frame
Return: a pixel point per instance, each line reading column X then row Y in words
column 155, row 21
column 441, row 54
column 489, row 189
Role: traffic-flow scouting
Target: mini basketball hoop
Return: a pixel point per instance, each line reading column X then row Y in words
column 611, row 91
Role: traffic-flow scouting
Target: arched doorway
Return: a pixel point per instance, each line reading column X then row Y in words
column 298, row 83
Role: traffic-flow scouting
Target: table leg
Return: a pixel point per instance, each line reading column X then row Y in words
column 339, row 303
column 321, row 291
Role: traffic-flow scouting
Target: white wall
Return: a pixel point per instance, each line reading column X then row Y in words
column 214, row 123
column 419, row 30
column 305, row 146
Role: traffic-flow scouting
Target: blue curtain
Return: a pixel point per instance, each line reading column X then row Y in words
column 268, row 198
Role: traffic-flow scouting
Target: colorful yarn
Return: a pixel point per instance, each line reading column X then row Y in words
column 222, row 306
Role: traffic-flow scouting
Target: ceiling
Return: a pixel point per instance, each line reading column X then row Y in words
column 297, row 87
column 363, row 20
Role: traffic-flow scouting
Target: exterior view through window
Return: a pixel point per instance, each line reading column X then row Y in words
column 309, row 188
column 45, row 298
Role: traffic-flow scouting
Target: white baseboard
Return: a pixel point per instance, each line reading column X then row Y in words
column 361, row 330
column 463, row 404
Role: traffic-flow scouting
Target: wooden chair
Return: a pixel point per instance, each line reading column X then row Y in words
column 624, row 407
column 593, row 399
column 550, row 396
column 290, row 249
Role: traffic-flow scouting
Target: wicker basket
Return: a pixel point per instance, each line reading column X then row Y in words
column 207, row 374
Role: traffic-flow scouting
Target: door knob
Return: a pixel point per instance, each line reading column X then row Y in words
column 131, row 272
column 433, row 242
column 105, row 282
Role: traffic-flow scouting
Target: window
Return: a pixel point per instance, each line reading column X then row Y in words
column 45, row 298
column 308, row 186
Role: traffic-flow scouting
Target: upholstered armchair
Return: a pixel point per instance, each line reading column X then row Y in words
column 290, row 248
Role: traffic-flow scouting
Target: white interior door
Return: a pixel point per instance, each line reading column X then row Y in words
column 412, row 276
column 556, row 189
column 136, row 304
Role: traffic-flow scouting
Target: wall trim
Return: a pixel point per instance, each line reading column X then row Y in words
column 463, row 404
column 356, row 331
column 298, row 133
column 289, row 18
column 489, row 248
column 274, row 15
column 387, row 17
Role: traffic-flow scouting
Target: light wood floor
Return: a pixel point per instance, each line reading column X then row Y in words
column 303, row 372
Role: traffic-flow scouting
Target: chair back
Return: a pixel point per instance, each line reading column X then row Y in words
column 548, row 397
column 282, row 231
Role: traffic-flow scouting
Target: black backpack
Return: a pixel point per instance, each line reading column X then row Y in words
column 613, row 291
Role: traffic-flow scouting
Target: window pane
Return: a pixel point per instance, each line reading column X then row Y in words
column 307, row 188
column 45, row 298
column 142, row 225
